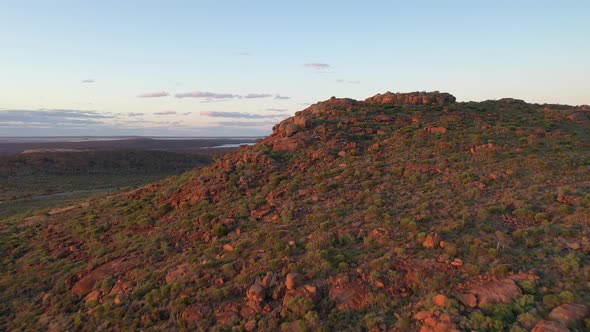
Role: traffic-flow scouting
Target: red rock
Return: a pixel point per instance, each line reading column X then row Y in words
column 92, row 296
column 468, row 299
column 422, row 315
column 302, row 121
column 413, row 98
column 431, row 241
column 437, row 130
column 269, row 280
column 569, row 314
column 293, row 280
column 348, row 295
column 490, row 292
column 228, row 247
column 255, row 293
column 311, row 289
column 87, row 282
column 457, row 262
column 440, row 300
column 250, row 325
column 549, row 326
column 196, row 312
column 285, row 145
column 382, row 118
column 290, row 129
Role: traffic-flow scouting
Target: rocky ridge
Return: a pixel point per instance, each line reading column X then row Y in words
column 401, row 212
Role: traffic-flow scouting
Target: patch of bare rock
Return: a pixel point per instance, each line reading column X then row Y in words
column 570, row 314
column 481, row 293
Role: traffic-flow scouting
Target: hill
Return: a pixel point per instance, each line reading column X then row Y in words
column 401, row 212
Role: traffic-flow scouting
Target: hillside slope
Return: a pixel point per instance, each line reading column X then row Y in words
column 401, row 212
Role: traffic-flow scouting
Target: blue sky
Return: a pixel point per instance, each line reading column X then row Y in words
column 228, row 68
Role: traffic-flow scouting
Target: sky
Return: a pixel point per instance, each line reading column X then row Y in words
column 235, row 68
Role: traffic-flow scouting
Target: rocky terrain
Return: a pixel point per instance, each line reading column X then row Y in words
column 402, row 212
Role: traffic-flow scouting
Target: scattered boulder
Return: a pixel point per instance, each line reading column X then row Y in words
column 436, row 321
column 293, row 280
column 457, row 262
column 269, row 280
column 255, row 293
column 440, row 300
column 432, row 240
column 569, row 314
column 382, row 118
column 468, row 299
column 436, row 130
column 250, row 325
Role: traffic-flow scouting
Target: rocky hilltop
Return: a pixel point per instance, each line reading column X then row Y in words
column 402, row 212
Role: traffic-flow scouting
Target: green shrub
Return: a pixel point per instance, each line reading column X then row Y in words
column 528, row 286
column 479, row 322
column 220, row 230
column 568, row 264
column 551, row 301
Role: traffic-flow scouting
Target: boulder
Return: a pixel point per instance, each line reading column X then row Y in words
column 293, row 280
column 457, row 262
column 490, row 292
column 92, row 296
column 255, row 293
column 290, row 129
column 440, row 300
column 569, row 314
column 302, row 121
column 286, row 145
column 119, row 266
column 435, row 321
column 436, row 130
column 432, row 240
column 468, row 299
column 549, row 326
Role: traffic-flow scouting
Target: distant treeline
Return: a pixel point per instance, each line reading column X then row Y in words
column 100, row 162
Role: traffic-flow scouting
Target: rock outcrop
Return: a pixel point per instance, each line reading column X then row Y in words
column 412, row 98
column 549, row 326
column 569, row 314
column 490, row 292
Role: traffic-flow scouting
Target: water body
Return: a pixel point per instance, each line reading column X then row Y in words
column 232, row 145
